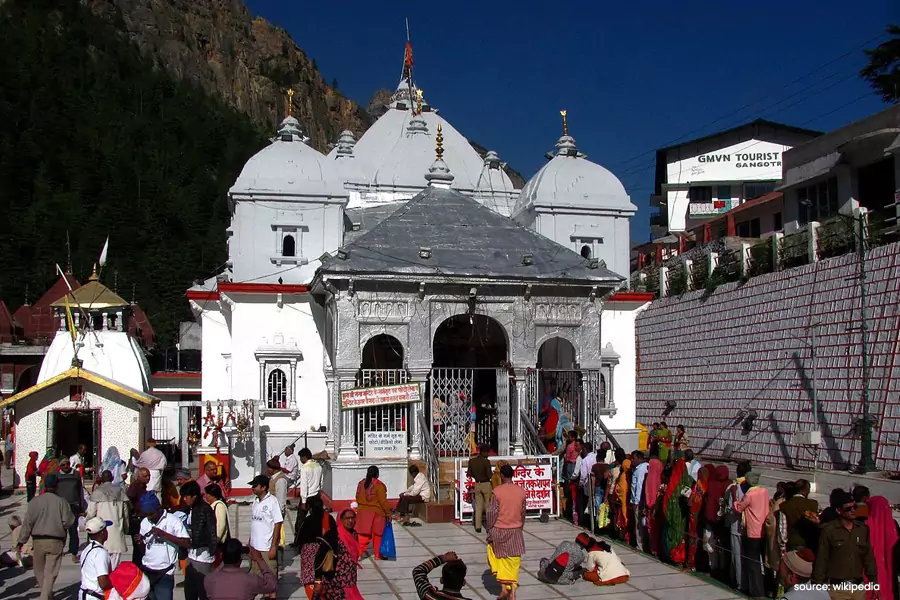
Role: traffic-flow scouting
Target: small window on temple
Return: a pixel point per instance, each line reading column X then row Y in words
column 585, row 251
column 75, row 393
column 288, row 247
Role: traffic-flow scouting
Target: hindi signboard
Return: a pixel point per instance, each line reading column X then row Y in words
column 385, row 444
column 380, row 396
column 534, row 473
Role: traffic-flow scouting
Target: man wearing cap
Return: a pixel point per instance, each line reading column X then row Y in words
column 47, row 522
column 95, row 562
column 160, row 535
column 481, row 470
column 845, row 552
column 265, row 523
column 796, row 568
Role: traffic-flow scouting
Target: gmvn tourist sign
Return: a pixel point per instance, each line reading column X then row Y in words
column 379, row 396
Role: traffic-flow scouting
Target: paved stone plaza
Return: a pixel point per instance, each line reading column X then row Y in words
column 392, row 580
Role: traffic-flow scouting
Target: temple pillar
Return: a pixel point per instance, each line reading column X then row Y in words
column 347, row 449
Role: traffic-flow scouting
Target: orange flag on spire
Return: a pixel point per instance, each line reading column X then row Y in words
column 407, row 58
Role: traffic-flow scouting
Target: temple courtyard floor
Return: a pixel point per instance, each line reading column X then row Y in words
column 392, row 580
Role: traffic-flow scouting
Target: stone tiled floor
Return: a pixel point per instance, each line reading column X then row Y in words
column 392, row 580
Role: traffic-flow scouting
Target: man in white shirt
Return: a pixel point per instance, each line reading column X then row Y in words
column 266, row 522
column 95, row 563
column 154, row 461
column 77, row 460
column 418, row 493
column 311, row 478
column 161, row 534
column 290, row 466
column 589, row 459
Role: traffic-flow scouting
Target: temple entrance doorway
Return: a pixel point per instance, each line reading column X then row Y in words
column 468, row 396
column 67, row 429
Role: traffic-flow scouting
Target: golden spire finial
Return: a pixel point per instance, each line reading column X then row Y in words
column 419, row 95
column 439, row 150
column 290, row 102
column 94, row 276
column 563, row 112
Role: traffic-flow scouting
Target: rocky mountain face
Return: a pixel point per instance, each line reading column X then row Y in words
column 248, row 62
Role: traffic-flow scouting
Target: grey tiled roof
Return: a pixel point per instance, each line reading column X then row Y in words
column 367, row 218
column 466, row 240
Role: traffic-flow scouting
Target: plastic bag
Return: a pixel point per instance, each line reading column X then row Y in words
column 388, row 546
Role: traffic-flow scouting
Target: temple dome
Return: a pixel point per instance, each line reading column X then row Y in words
column 399, row 147
column 288, row 166
column 570, row 180
column 111, row 354
column 494, row 188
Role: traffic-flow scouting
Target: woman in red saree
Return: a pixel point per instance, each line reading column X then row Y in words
column 673, row 515
column 883, row 537
column 695, row 508
column 652, row 484
column 374, row 511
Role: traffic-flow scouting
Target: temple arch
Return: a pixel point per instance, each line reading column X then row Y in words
column 382, row 364
column 469, row 398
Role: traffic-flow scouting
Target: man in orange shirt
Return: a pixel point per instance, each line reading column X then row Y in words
column 506, row 539
column 754, row 507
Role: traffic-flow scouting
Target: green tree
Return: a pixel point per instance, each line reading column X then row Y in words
column 95, row 141
column 883, row 70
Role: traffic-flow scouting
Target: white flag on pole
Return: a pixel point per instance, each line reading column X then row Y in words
column 102, row 260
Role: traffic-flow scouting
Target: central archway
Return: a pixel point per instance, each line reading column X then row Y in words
column 469, row 386
column 382, row 364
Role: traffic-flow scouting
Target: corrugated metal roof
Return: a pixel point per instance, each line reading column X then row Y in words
column 466, row 240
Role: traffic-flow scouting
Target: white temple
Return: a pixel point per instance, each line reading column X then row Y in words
column 271, row 323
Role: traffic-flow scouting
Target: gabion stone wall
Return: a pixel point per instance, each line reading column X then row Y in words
column 746, row 349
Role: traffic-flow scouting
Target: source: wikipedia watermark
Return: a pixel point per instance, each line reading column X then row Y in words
column 846, row 586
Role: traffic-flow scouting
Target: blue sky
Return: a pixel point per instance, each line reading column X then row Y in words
column 634, row 76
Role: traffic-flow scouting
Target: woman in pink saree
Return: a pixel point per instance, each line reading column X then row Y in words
column 883, row 537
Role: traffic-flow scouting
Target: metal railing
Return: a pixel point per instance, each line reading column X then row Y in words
column 531, row 441
column 429, row 454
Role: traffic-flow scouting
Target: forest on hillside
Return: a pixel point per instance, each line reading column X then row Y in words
column 95, row 142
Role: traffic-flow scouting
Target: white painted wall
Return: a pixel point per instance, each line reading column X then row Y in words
column 611, row 226
column 617, row 322
column 215, row 359
column 124, row 423
column 255, row 323
column 255, row 248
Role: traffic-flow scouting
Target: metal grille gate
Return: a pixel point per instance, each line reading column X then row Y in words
column 581, row 392
column 393, row 417
column 450, row 405
column 451, row 409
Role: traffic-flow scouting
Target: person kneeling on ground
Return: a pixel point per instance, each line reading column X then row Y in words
column 453, row 578
column 418, row 493
column 566, row 564
column 603, row 567
column 9, row 558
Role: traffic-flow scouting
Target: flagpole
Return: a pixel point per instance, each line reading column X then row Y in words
column 408, row 65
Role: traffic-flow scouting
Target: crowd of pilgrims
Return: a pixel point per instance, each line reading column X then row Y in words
column 668, row 504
